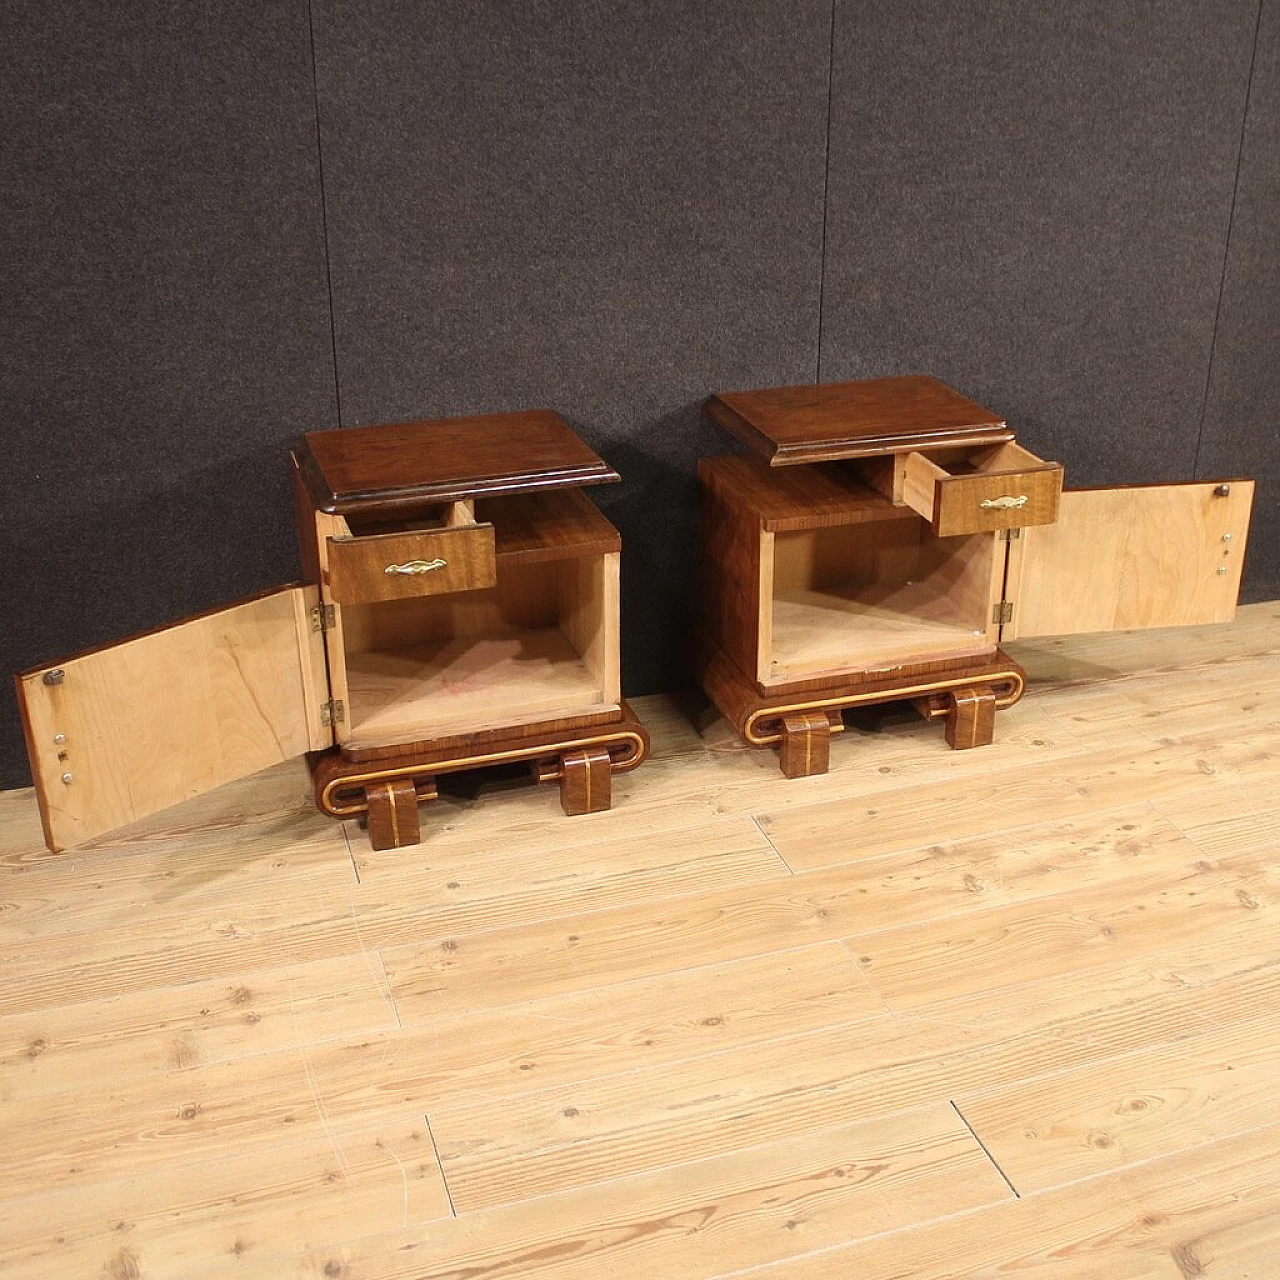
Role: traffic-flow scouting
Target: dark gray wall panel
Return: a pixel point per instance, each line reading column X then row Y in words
column 1031, row 201
column 609, row 210
column 613, row 212
column 1242, row 417
column 164, row 311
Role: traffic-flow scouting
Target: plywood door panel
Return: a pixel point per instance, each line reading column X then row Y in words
column 1122, row 559
column 133, row 728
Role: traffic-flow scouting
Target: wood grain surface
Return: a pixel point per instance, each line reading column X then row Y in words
column 1120, row 559
column 445, row 460
column 791, row 425
column 393, row 566
column 240, row 689
column 932, row 1014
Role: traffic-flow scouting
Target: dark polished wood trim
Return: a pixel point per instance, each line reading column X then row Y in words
column 340, row 784
column 824, row 422
column 760, row 719
column 394, row 466
column 482, row 741
column 585, row 785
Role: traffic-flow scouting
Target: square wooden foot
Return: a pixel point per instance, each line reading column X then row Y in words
column 393, row 814
column 585, row 785
column 971, row 722
column 806, row 744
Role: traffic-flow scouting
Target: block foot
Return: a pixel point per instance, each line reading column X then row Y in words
column 585, row 785
column 393, row 814
column 805, row 748
column 971, row 719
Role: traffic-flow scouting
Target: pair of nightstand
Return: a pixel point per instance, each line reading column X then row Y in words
column 884, row 538
column 460, row 606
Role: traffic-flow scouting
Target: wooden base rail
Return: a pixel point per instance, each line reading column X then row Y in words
column 389, row 791
column 964, row 694
column 765, row 727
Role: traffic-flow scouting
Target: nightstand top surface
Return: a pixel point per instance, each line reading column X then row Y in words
column 790, row 425
column 445, row 460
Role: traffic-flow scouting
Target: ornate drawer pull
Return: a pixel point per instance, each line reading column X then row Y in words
column 415, row 566
column 999, row 504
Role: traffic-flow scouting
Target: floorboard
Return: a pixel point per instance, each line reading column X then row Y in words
column 933, row 1015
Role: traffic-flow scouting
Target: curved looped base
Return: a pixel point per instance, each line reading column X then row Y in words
column 389, row 790
column 965, row 694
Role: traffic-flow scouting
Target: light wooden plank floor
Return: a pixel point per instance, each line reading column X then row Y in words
column 936, row 1014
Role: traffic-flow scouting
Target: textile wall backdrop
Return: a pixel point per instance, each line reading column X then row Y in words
column 230, row 222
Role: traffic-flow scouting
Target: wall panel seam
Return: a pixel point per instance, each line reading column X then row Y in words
column 324, row 215
column 826, row 187
column 1226, row 250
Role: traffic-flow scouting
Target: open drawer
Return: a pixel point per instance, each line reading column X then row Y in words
column 1000, row 486
column 411, row 562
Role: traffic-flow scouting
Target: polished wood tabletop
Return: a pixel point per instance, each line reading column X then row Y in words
column 446, row 460
column 818, row 423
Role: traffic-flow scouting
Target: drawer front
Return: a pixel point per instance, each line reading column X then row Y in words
column 986, row 500
column 395, row 566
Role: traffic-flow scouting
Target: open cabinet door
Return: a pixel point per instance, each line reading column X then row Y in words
column 1125, row 558
column 121, row 732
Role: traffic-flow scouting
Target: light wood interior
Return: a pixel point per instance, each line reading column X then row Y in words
column 333, row 526
column 132, row 728
column 1121, row 559
column 997, row 458
column 920, row 479
column 541, row 644
column 1009, row 456
column 434, row 515
column 880, row 595
column 740, row 1026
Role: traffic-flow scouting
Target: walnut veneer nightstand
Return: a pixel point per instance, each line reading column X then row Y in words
column 460, row 610
column 887, row 536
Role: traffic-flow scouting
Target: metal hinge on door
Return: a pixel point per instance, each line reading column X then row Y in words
column 332, row 712
column 322, row 617
column 1008, row 535
column 1003, row 612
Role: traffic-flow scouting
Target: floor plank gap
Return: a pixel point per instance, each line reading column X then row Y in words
column 774, row 847
column 995, row 1163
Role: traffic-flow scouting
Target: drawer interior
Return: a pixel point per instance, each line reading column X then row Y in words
column 875, row 596
column 932, row 465
column 1007, row 457
column 996, row 487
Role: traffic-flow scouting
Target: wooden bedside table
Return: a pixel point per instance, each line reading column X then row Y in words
column 891, row 534
column 460, row 610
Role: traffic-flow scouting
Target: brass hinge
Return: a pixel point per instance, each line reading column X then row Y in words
column 1003, row 612
column 322, row 617
column 1008, row 535
column 332, row 712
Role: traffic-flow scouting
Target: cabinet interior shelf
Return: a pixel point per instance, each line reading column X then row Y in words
column 465, row 684
column 889, row 595
column 867, row 627
column 541, row 644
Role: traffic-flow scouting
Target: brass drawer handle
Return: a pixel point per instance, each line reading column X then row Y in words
column 1003, row 504
column 416, row 566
